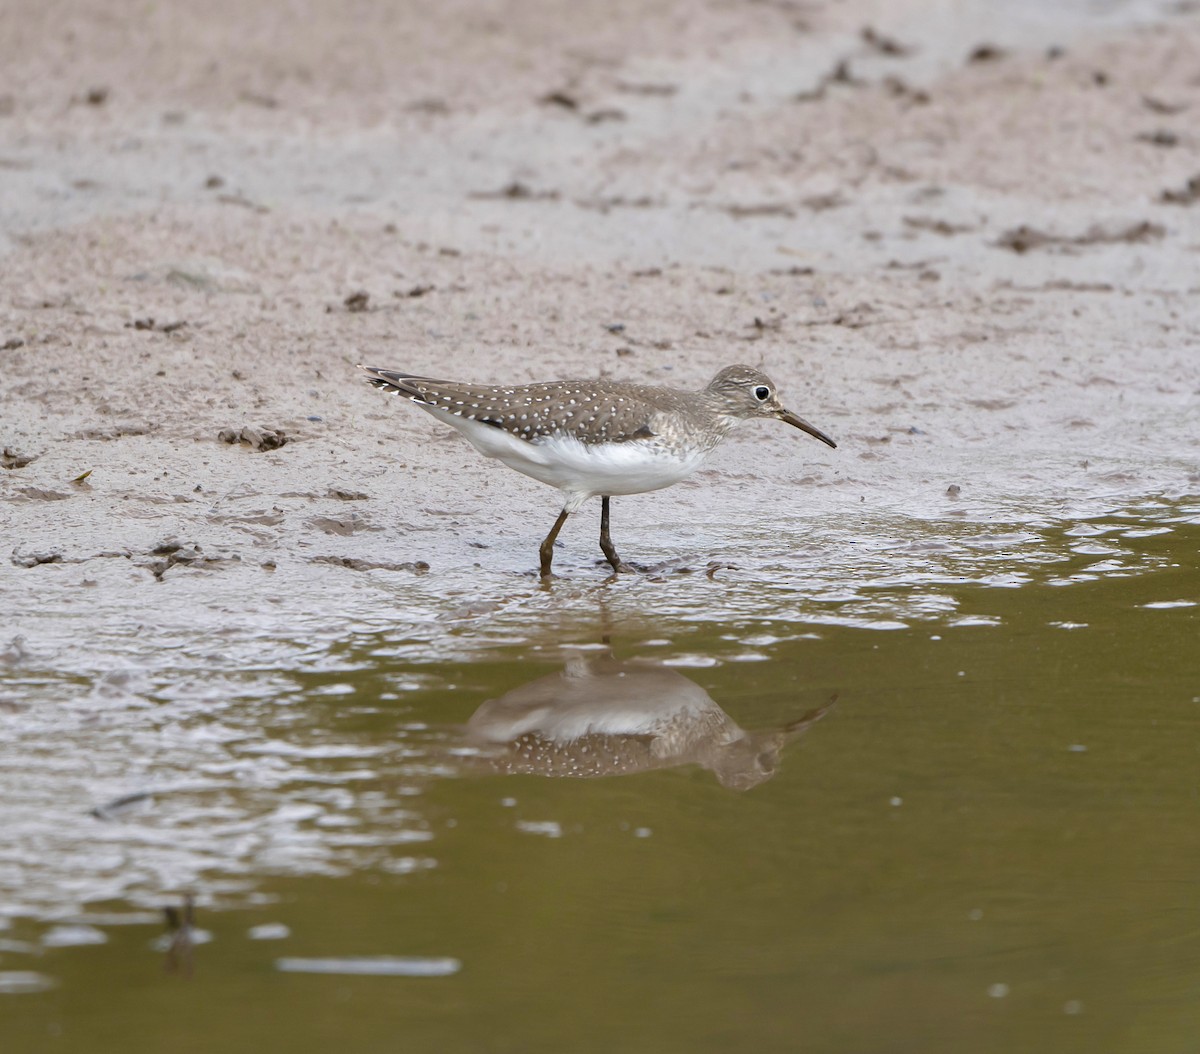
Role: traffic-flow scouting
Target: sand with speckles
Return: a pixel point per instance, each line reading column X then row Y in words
column 963, row 244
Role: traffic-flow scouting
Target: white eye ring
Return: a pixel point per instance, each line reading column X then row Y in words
column 762, row 393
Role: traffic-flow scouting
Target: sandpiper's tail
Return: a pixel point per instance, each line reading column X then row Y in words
column 391, row 381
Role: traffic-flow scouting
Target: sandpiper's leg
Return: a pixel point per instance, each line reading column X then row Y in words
column 610, row 550
column 547, row 549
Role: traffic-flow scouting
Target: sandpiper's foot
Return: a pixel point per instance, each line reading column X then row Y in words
column 622, row 568
column 619, row 566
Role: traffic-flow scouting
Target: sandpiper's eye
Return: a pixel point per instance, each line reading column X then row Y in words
column 762, row 393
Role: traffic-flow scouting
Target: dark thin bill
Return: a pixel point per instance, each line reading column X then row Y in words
column 804, row 426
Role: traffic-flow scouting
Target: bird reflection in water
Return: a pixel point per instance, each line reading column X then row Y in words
column 604, row 717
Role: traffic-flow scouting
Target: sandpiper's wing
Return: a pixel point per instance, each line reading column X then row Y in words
column 591, row 411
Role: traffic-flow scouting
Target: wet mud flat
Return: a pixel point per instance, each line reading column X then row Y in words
column 914, row 713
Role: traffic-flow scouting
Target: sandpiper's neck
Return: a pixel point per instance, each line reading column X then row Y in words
column 709, row 421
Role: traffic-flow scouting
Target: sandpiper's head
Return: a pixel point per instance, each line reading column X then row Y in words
column 745, row 392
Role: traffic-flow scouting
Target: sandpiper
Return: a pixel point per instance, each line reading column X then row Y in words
column 596, row 438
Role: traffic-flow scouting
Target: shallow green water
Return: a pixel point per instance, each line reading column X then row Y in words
column 990, row 842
